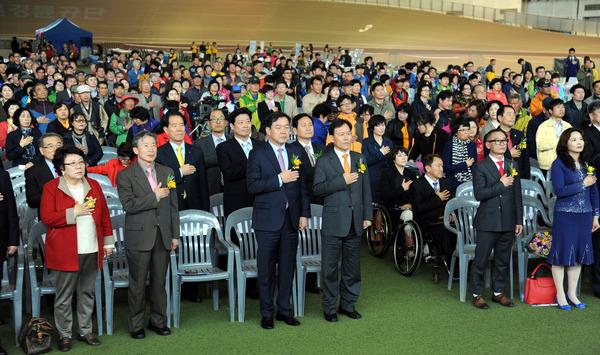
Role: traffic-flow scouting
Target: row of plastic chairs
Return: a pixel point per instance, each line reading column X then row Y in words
column 459, row 216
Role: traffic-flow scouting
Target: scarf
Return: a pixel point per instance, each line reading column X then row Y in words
column 79, row 139
column 460, row 154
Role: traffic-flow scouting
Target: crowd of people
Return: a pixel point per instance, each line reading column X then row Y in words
column 277, row 133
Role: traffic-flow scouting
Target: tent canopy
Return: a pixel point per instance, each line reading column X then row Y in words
column 62, row 31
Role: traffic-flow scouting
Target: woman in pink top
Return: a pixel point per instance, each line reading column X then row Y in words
column 495, row 92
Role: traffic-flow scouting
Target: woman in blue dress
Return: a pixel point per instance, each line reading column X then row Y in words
column 575, row 216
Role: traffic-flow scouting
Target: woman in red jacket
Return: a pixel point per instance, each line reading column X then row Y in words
column 78, row 236
column 125, row 157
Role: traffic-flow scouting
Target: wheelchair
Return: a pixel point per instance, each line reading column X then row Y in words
column 379, row 233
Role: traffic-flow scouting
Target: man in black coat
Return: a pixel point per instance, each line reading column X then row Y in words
column 591, row 135
column 208, row 145
column 9, row 222
column 233, row 157
column 430, row 194
column 42, row 170
column 187, row 163
column 303, row 129
column 576, row 109
column 498, row 220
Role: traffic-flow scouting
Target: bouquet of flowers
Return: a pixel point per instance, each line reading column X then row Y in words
column 540, row 244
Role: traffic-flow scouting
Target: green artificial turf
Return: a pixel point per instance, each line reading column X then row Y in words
column 400, row 316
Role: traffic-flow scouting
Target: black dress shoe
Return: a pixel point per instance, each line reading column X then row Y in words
column 352, row 314
column 159, row 330
column 331, row 317
column 267, row 323
column 90, row 339
column 138, row 334
column 64, row 344
column 289, row 320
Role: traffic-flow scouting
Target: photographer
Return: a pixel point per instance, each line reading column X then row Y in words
column 212, row 97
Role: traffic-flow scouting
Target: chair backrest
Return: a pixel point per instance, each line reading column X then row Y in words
column 533, row 189
column 538, row 176
column 461, row 210
column 110, row 192
column 15, row 172
column 18, row 185
column 101, row 179
column 465, row 189
column 118, row 257
column 106, row 149
column 216, row 207
column 197, row 231
column 37, row 236
column 114, row 207
column 106, row 157
column 551, row 203
column 532, row 209
column 310, row 238
column 241, row 221
column 549, row 187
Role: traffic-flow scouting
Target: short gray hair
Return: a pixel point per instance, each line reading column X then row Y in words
column 138, row 137
column 49, row 135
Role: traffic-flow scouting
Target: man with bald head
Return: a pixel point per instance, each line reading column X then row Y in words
column 217, row 123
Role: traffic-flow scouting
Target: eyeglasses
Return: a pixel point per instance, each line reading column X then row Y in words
column 52, row 146
column 75, row 163
column 499, row 141
column 80, row 120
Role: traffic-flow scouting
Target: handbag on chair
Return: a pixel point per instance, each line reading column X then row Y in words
column 540, row 289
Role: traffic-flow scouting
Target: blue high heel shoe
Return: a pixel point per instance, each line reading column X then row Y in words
column 566, row 307
column 579, row 305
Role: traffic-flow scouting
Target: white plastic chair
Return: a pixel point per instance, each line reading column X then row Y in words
column 465, row 189
column 308, row 258
column 13, row 291
column 103, row 180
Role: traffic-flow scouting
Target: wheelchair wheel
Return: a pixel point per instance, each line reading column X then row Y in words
column 379, row 233
column 408, row 248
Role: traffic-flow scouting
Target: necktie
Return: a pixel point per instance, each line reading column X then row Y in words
column 509, row 141
column 310, row 155
column 280, row 159
column 219, row 140
column 246, row 149
column 346, row 163
column 501, row 167
column 436, row 186
column 180, row 156
column 151, row 179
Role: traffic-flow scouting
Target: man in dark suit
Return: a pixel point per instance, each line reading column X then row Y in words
column 525, row 66
column 591, row 135
column 9, row 222
column 151, row 232
column 576, row 109
column 430, row 194
column 304, row 131
column 281, row 207
column 498, row 220
column 342, row 180
column 187, row 162
column 506, row 118
column 217, row 123
column 233, row 157
column 42, row 170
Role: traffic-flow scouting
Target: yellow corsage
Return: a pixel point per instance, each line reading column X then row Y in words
column 361, row 166
column 90, row 202
column 512, row 171
column 589, row 169
column 523, row 144
column 171, row 182
column 296, row 162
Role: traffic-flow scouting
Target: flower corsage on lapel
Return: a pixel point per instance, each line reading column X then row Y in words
column 90, row 202
column 523, row 144
column 316, row 155
column 171, row 182
column 361, row 167
column 511, row 170
column 296, row 162
column 589, row 169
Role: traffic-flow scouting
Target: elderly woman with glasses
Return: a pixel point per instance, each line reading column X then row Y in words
column 78, row 236
column 460, row 153
column 80, row 137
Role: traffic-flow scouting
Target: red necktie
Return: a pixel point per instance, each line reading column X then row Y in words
column 501, row 167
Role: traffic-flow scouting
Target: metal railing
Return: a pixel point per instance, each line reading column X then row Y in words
column 510, row 17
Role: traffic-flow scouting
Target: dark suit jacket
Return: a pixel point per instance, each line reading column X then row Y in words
column 194, row 185
column 233, row 162
column 427, row 206
column 343, row 204
column 263, row 112
column 143, row 213
column 63, row 96
column 14, row 152
column 591, row 135
column 500, row 208
column 269, row 197
column 309, row 170
column 57, row 127
column 9, row 220
column 574, row 116
column 94, row 153
column 35, row 179
column 390, row 186
column 213, row 173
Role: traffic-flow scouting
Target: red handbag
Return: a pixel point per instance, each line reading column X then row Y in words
column 540, row 289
